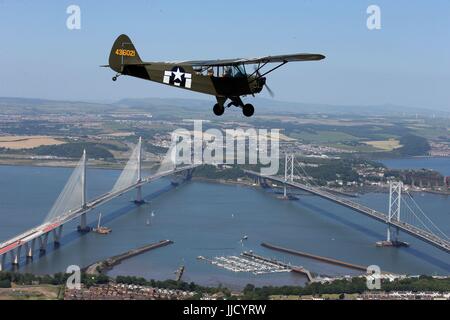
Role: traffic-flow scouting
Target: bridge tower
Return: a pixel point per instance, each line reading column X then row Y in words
column 395, row 199
column 139, row 199
column 83, row 223
column 288, row 171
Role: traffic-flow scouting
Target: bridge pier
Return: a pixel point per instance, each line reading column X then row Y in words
column 263, row 183
column 139, row 199
column 29, row 248
column 43, row 242
column 83, row 227
column 189, row 173
column 2, row 261
column 57, row 236
column 15, row 256
column 389, row 234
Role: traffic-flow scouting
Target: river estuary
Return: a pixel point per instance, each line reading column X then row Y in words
column 209, row 219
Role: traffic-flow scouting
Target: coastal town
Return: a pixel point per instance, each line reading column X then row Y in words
column 343, row 157
column 118, row 291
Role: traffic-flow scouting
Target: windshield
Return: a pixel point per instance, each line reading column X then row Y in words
column 233, row 71
column 239, row 71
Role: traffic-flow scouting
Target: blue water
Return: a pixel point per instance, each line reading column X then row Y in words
column 439, row 164
column 209, row 219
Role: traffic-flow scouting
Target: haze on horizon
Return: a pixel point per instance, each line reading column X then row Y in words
column 406, row 63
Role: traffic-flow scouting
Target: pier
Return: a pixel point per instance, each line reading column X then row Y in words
column 315, row 257
column 108, row 264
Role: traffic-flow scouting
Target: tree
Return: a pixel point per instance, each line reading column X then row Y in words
column 5, row 283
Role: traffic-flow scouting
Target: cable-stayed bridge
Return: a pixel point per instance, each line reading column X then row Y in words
column 72, row 203
column 411, row 220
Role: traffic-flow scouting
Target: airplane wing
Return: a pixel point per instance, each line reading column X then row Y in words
column 268, row 59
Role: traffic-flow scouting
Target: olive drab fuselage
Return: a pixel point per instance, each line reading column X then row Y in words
column 222, row 86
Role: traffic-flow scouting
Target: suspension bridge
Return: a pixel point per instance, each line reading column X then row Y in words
column 72, row 203
column 413, row 220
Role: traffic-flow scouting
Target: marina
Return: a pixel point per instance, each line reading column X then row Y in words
column 247, row 261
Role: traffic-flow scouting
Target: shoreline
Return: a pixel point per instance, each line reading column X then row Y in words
column 68, row 164
column 347, row 193
column 353, row 192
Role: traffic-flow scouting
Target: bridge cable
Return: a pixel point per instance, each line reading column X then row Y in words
column 307, row 176
column 423, row 213
column 420, row 220
column 70, row 197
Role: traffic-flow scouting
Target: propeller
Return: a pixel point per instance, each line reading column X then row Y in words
column 269, row 90
column 271, row 93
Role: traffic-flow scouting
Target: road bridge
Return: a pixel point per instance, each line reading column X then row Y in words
column 72, row 204
column 392, row 219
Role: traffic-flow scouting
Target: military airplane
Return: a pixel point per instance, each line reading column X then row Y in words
column 226, row 79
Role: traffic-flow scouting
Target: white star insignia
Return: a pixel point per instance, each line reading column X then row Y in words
column 178, row 74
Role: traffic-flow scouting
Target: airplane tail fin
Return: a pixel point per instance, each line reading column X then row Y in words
column 122, row 53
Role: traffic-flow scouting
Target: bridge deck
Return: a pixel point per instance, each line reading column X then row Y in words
column 37, row 231
column 408, row 228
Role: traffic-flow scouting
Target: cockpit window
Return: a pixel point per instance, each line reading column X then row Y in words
column 233, row 71
column 239, row 71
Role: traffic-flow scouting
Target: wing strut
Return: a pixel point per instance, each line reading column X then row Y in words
column 274, row 68
column 267, row 72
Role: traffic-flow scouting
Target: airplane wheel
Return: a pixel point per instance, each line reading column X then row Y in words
column 114, row 78
column 248, row 110
column 218, row 109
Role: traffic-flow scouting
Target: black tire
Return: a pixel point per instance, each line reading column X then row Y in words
column 218, row 109
column 114, row 78
column 248, row 110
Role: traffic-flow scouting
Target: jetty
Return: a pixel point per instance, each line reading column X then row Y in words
column 315, row 257
column 105, row 265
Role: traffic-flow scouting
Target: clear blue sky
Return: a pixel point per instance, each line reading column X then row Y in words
column 407, row 62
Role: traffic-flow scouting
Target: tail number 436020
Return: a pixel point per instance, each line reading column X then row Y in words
column 123, row 52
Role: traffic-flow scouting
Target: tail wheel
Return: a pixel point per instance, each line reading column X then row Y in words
column 248, row 110
column 218, row 109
